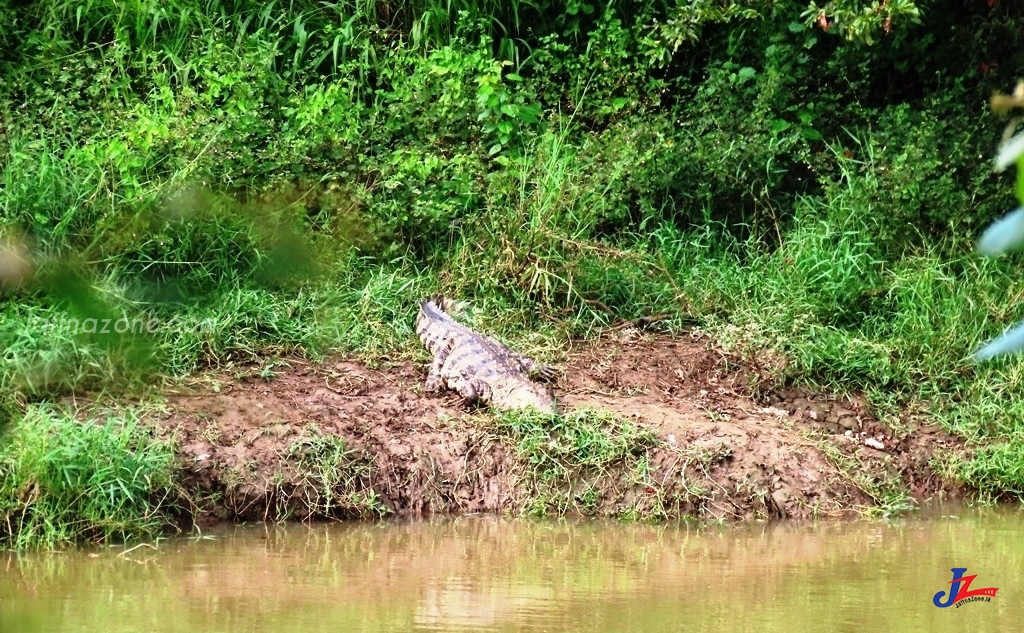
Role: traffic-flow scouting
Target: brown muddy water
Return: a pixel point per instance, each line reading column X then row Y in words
column 482, row 573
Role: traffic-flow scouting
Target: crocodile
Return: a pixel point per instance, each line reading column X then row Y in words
column 478, row 367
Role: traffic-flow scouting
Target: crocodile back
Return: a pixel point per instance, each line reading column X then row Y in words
column 470, row 358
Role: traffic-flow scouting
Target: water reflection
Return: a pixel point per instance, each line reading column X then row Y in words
column 493, row 574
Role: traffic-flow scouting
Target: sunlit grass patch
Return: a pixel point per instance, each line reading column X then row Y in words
column 995, row 470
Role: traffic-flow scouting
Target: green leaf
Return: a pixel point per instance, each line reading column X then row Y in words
column 529, row 113
column 513, row 77
column 811, row 134
column 1020, row 180
column 494, row 149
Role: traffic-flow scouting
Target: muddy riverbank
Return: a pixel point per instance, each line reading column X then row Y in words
column 301, row 440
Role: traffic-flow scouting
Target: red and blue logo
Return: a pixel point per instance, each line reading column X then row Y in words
column 960, row 591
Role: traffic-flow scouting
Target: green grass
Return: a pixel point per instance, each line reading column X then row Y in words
column 572, row 460
column 336, row 479
column 64, row 481
column 827, row 310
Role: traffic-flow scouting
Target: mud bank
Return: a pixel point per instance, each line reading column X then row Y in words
column 340, row 439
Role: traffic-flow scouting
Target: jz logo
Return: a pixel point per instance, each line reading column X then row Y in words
column 960, row 591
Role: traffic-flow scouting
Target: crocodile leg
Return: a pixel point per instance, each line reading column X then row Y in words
column 538, row 371
column 433, row 382
column 474, row 391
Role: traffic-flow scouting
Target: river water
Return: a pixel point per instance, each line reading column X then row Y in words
column 483, row 573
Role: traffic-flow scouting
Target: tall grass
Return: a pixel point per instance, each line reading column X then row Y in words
column 302, row 36
column 63, row 481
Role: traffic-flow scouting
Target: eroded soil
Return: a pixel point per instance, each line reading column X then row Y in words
column 249, row 441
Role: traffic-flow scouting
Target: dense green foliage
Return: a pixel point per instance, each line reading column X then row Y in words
column 290, row 177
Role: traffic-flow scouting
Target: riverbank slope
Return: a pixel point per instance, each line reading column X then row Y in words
column 655, row 427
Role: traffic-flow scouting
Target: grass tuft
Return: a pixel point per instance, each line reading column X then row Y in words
column 573, row 460
column 336, row 479
column 63, row 481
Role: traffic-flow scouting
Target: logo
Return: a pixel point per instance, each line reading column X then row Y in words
column 960, row 591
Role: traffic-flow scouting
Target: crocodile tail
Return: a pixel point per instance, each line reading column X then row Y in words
column 444, row 304
column 434, row 323
column 432, row 310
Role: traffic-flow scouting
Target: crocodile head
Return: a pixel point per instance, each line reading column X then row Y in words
column 522, row 394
